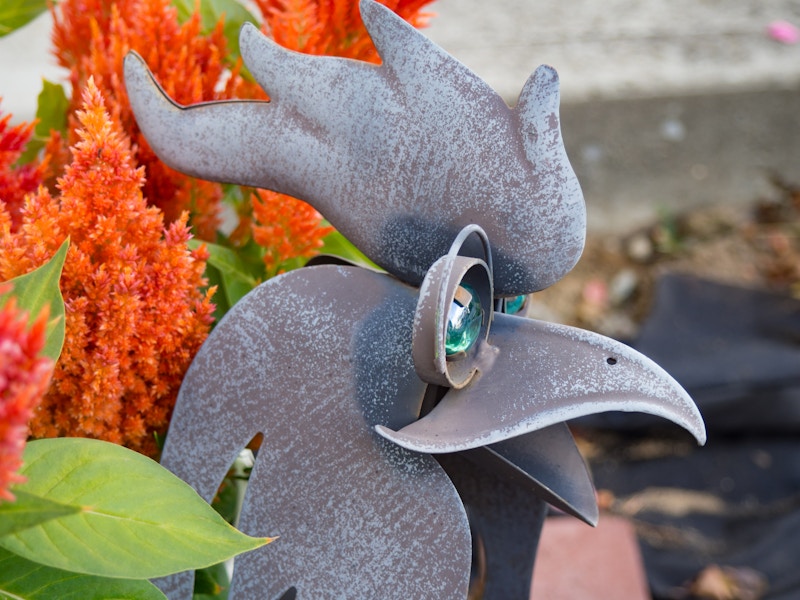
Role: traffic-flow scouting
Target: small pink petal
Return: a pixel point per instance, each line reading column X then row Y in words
column 783, row 32
column 595, row 292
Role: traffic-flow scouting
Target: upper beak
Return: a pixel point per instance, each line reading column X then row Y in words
column 534, row 374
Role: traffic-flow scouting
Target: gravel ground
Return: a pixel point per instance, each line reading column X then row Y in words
column 611, row 288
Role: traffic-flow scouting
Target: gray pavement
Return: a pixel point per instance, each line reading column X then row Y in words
column 622, row 48
column 667, row 104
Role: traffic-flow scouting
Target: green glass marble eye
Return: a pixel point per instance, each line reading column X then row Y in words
column 515, row 304
column 463, row 321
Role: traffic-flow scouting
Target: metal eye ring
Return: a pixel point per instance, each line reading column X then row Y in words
column 454, row 312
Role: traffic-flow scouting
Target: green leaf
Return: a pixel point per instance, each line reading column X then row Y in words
column 29, row 510
column 338, row 245
column 51, row 113
column 226, row 260
column 137, row 520
column 211, row 583
column 235, row 288
column 21, row 579
column 16, row 13
column 235, row 278
column 221, row 305
column 211, row 11
column 38, row 289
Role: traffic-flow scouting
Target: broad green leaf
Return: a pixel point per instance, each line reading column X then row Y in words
column 338, row 245
column 211, row 11
column 29, row 510
column 221, row 305
column 21, row 579
column 16, row 13
column 252, row 257
column 38, row 289
column 137, row 520
column 51, row 113
column 235, row 288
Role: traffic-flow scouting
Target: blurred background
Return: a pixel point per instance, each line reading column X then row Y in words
column 666, row 104
column 682, row 121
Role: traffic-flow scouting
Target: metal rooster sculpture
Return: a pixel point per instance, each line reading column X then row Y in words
column 389, row 402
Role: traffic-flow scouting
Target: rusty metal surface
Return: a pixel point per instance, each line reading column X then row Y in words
column 398, row 157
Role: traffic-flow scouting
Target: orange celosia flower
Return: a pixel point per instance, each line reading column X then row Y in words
column 330, row 27
column 134, row 314
column 24, row 377
column 288, row 228
column 91, row 38
column 16, row 182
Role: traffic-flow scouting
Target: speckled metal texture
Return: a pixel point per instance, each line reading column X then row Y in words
column 535, row 374
column 313, row 360
column 318, row 360
column 398, row 157
column 315, row 367
column 423, row 166
column 523, row 375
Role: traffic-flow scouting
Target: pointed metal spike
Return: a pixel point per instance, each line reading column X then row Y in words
column 421, row 140
column 216, row 140
column 554, row 467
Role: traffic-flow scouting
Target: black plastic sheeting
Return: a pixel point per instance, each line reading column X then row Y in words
column 736, row 500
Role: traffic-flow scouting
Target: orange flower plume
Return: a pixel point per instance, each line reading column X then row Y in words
column 288, row 228
column 134, row 314
column 91, row 38
column 330, row 27
column 24, row 377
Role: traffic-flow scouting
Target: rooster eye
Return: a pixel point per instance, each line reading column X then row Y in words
column 512, row 306
column 463, row 320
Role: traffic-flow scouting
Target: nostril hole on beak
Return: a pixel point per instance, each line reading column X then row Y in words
column 611, row 360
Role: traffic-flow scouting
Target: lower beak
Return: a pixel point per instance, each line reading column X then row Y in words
column 548, row 463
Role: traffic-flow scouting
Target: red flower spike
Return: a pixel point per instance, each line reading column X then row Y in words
column 17, row 181
column 24, row 378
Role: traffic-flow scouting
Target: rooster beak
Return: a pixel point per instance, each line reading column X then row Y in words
column 534, row 374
